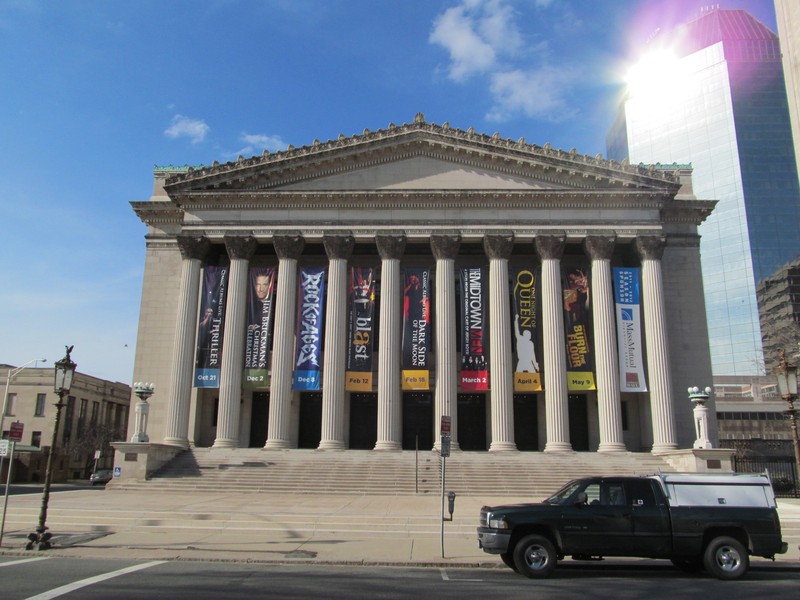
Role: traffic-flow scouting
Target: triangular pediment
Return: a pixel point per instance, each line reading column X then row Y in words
column 418, row 156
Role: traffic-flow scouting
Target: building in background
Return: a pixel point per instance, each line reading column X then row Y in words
column 712, row 93
column 96, row 413
column 779, row 306
column 787, row 13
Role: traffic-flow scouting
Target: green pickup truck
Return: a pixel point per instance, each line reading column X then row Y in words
column 694, row 520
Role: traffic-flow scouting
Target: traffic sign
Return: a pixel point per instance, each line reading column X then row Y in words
column 445, row 427
column 4, row 447
column 15, row 433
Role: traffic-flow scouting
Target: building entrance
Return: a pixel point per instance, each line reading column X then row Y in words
column 363, row 421
column 417, row 420
column 310, row 420
column 526, row 426
column 578, row 423
column 472, row 421
column 259, row 416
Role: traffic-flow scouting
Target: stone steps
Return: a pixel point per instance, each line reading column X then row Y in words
column 534, row 474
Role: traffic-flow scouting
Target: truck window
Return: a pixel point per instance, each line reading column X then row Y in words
column 605, row 494
column 641, row 493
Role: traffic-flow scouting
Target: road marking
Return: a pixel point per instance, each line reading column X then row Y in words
column 446, row 577
column 71, row 587
column 24, row 560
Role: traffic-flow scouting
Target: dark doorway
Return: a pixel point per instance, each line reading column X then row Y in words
column 259, row 417
column 417, row 420
column 472, row 421
column 363, row 421
column 526, row 425
column 578, row 423
column 310, row 420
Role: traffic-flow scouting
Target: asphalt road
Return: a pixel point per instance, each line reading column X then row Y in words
column 52, row 577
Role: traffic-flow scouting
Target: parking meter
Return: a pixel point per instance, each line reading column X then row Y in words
column 451, row 503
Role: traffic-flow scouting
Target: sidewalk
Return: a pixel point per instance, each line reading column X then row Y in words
column 324, row 529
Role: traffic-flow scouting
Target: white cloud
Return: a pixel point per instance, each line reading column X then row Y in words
column 256, row 143
column 537, row 94
column 469, row 54
column 194, row 129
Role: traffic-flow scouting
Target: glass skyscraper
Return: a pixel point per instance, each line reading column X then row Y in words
column 719, row 103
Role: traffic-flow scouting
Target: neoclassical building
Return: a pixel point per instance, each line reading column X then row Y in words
column 349, row 294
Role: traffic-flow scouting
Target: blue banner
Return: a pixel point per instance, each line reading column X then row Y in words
column 311, row 298
column 629, row 330
column 210, row 327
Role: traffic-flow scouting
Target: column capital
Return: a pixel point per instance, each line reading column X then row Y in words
column 240, row 246
column 288, row 245
column 599, row 247
column 445, row 245
column 338, row 245
column 193, row 246
column 391, row 245
column 551, row 246
column 650, row 246
column 499, row 244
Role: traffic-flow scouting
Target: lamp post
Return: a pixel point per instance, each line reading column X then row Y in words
column 143, row 391
column 787, row 386
column 699, row 398
column 64, row 370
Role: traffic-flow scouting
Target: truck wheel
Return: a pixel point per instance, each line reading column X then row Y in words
column 535, row 556
column 726, row 558
column 508, row 560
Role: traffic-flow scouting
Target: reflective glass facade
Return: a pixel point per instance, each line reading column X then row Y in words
column 726, row 114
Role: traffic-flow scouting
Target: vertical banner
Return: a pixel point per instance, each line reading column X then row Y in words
column 577, row 307
column 358, row 377
column 629, row 330
column 525, row 298
column 311, row 298
column 416, row 328
column 260, row 295
column 474, row 374
column 210, row 327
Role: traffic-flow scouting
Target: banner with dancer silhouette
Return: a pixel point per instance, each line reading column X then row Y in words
column 311, row 301
column 211, row 327
column 525, row 298
column 358, row 376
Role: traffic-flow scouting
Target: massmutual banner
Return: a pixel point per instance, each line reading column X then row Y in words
column 210, row 327
column 310, row 305
column 525, row 296
column 260, row 300
column 629, row 330
column 416, row 328
column 577, row 308
column 474, row 372
column 358, row 377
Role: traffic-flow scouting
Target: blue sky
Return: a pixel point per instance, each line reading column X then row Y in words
column 94, row 94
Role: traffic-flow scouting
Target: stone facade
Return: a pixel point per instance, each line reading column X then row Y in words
column 423, row 195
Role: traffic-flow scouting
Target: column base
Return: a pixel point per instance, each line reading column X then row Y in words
column 174, row 441
column 612, row 447
column 558, row 447
column 225, row 443
column 387, row 445
column 277, row 445
column 331, row 445
column 658, row 448
column 503, row 447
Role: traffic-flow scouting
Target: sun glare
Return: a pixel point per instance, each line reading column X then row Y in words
column 657, row 75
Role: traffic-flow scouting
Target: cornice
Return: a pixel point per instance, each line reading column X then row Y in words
column 325, row 158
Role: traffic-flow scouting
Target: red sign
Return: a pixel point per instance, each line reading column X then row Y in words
column 15, row 433
column 445, row 427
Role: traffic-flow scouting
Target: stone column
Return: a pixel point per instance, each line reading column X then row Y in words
column 650, row 250
column 550, row 249
column 498, row 248
column 338, row 248
column 609, row 409
column 288, row 247
column 240, row 249
column 445, row 249
column 390, row 416
column 193, row 250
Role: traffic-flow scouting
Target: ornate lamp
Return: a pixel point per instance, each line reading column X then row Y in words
column 787, row 386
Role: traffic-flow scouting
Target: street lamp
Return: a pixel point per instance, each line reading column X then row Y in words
column 9, row 377
column 143, row 390
column 64, row 370
column 699, row 398
column 787, row 386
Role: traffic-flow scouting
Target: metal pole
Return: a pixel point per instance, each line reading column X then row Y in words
column 444, row 464
column 793, row 424
column 40, row 536
column 5, row 498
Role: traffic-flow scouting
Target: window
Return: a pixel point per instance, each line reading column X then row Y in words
column 40, row 400
column 95, row 412
column 36, row 437
column 10, row 406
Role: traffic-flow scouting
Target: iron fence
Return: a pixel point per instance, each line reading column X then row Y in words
column 781, row 469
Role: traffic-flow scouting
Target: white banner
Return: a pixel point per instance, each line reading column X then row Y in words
column 629, row 330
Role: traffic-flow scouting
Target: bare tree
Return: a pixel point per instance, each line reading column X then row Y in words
column 95, row 436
